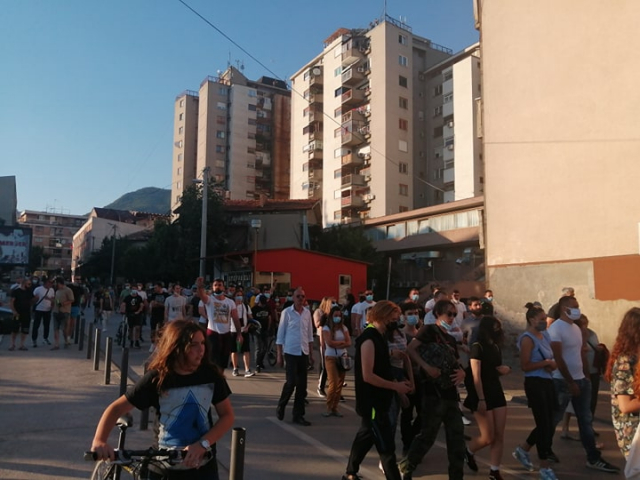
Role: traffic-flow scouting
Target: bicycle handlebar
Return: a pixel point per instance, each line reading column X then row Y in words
column 149, row 453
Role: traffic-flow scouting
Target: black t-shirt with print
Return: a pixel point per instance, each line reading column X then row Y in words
column 22, row 301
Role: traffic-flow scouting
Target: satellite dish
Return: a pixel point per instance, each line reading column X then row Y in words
column 316, row 71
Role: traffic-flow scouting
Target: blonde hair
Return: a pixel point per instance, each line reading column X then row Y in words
column 382, row 310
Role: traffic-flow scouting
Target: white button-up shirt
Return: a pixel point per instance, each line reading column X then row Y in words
column 295, row 331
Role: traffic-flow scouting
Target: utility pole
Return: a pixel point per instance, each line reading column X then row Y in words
column 203, row 221
column 113, row 252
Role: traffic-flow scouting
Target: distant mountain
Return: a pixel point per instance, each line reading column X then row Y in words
column 149, row 199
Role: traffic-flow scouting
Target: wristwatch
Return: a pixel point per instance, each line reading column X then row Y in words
column 205, row 444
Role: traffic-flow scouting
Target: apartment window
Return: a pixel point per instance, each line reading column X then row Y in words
column 251, row 165
column 306, row 75
column 220, row 149
column 447, row 75
column 222, row 91
column 437, row 90
column 403, row 168
column 437, row 132
column 404, row 190
column 420, row 115
column 219, row 164
column 306, row 94
column 437, row 153
column 337, row 112
column 403, row 61
column 179, row 171
column 179, row 185
column 337, row 215
column 403, row 124
column 437, row 111
column 179, row 144
column 403, row 103
column 251, row 150
column 402, row 81
column 177, row 198
column 337, row 173
column 181, row 117
column 337, row 72
column 402, row 39
column 403, row 146
column 221, row 119
column 339, row 91
column 448, row 142
column 220, row 134
column 252, row 107
column 305, row 112
column 180, row 157
column 182, row 103
column 438, row 173
column 180, row 130
column 221, row 106
column 251, row 136
column 252, row 93
column 448, row 98
column 252, row 121
column 338, row 132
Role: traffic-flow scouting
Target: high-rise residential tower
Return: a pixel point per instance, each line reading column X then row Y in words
column 240, row 130
column 363, row 124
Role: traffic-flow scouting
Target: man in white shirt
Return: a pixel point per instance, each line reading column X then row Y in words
column 571, row 379
column 44, row 296
column 221, row 312
column 359, row 313
column 294, row 343
column 429, row 318
column 175, row 306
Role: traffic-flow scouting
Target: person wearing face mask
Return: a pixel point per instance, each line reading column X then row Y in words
column 375, row 386
column 414, row 297
column 471, row 321
column 485, row 397
column 571, row 379
column 359, row 312
column 410, row 424
column 336, row 339
column 537, row 363
column 435, row 352
column 244, row 348
column 288, row 301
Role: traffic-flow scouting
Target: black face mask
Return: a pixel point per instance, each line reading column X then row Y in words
column 391, row 326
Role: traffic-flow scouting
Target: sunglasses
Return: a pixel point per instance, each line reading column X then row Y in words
column 452, row 314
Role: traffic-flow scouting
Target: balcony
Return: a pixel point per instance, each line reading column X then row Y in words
column 353, row 76
column 352, row 54
column 314, row 115
column 352, row 160
column 449, row 175
column 352, row 97
column 316, row 80
column 315, row 174
column 352, row 201
column 315, row 154
column 367, row 91
column 353, row 180
column 356, row 114
column 316, row 99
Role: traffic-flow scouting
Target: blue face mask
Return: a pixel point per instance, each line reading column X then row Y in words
column 415, row 297
column 369, row 298
column 267, row 295
column 289, row 298
column 337, row 319
column 446, row 326
column 412, row 319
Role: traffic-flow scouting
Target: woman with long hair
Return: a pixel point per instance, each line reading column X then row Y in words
column 485, row 397
column 320, row 317
column 537, row 363
column 182, row 385
column 336, row 339
column 623, row 372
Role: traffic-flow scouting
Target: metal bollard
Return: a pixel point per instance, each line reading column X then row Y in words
column 144, row 415
column 89, row 342
column 107, row 361
column 96, row 351
column 76, row 330
column 82, row 327
column 124, row 370
column 236, row 466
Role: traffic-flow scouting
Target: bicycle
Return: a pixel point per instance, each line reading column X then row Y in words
column 136, row 463
column 272, row 356
column 123, row 332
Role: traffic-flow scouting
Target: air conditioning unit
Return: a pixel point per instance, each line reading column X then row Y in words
column 361, row 69
column 368, row 197
column 450, row 124
column 450, row 147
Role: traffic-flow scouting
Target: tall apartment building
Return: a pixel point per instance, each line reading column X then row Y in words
column 368, row 130
column 240, row 130
column 54, row 233
column 451, row 156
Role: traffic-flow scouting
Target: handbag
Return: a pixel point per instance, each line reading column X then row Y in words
column 632, row 468
column 346, row 362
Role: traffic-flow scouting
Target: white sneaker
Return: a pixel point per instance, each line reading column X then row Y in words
column 249, row 373
column 465, row 420
column 235, row 372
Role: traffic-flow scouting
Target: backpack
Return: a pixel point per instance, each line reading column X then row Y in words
column 441, row 355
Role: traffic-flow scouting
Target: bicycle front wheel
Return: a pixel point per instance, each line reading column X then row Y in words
column 104, row 470
column 271, row 352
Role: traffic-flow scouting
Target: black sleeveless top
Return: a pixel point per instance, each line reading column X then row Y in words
column 369, row 397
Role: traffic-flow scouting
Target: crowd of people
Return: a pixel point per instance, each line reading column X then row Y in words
column 418, row 364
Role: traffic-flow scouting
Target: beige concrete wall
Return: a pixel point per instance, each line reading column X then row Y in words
column 239, row 127
column 561, row 129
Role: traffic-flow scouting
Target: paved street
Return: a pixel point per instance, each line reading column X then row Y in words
column 52, row 400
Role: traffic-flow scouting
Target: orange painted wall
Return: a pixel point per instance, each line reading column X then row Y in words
column 617, row 278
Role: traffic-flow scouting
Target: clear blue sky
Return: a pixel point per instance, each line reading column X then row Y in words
column 87, row 87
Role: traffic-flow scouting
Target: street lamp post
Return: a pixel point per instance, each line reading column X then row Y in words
column 203, row 220
column 255, row 224
column 113, row 252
